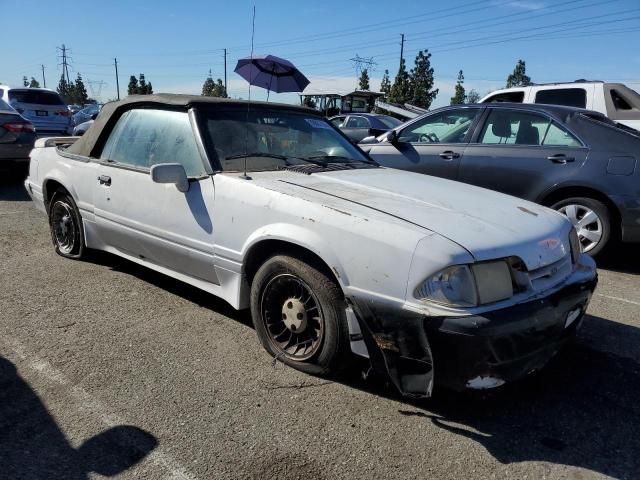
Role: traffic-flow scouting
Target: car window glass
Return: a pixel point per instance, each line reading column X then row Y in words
column 560, row 137
column 445, row 127
column 37, row 97
column 572, row 97
column 357, row 122
column 143, row 138
column 513, row 97
column 237, row 138
column 514, row 127
column 5, row 106
column 337, row 121
column 388, row 121
column 619, row 102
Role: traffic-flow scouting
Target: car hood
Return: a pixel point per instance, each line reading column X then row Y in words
column 487, row 224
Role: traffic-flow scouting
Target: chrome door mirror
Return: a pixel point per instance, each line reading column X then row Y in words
column 170, row 173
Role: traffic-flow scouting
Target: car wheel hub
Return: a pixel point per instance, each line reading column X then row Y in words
column 64, row 229
column 292, row 317
column 587, row 224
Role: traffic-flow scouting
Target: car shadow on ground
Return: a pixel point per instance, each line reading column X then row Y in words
column 623, row 258
column 12, row 187
column 581, row 410
column 32, row 445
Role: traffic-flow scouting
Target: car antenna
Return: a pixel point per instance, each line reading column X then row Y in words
column 246, row 143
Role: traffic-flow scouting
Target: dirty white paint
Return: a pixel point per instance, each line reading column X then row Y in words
column 484, row 383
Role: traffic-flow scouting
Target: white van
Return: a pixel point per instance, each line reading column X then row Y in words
column 615, row 100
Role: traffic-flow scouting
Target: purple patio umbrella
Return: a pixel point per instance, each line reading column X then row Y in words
column 273, row 73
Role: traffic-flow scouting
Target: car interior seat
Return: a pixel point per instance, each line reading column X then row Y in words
column 501, row 126
column 527, row 134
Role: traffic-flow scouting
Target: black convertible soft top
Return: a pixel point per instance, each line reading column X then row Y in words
column 86, row 144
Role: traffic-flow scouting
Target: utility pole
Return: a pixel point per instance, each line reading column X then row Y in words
column 358, row 63
column 115, row 63
column 44, row 80
column 401, row 49
column 225, row 73
column 65, row 62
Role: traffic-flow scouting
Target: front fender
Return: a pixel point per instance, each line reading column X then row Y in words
column 302, row 237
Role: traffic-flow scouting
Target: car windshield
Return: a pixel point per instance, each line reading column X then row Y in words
column 388, row 121
column 35, row 96
column 271, row 139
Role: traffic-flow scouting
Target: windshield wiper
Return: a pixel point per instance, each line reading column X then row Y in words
column 258, row 154
column 338, row 157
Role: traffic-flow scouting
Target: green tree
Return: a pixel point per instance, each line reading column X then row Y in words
column 132, row 88
column 80, row 95
column 363, row 82
column 385, row 84
column 400, row 89
column 519, row 76
column 34, row 83
column 149, row 88
column 25, row 82
column 473, row 96
column 219, row 90
column 421, row 81
column 142, row 82
column 65, row 90
column 208, row 86
column 460, row 94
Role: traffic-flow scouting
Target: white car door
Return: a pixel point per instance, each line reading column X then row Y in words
column 152, row 221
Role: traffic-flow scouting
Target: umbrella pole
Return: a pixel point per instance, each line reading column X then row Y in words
column 273, row 70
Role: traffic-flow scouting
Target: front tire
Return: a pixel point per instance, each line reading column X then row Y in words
column 299, row 315
column 66, row 226
column 591, row 219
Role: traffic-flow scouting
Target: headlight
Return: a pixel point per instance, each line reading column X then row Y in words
column 576, row 246
column 468, row 285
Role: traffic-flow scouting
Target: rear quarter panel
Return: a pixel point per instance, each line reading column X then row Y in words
column 77, row 175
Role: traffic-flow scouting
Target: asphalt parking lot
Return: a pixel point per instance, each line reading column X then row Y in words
column 108, row 367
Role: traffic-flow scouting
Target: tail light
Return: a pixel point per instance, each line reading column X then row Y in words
column 19, row 127
column 64, row 113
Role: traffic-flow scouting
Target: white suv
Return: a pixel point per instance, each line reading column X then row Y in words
column 44, row 108
column 615, row 100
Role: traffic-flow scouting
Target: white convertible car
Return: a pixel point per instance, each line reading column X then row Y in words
column 271, row 208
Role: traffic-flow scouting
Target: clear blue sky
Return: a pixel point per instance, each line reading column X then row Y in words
column 175, row 43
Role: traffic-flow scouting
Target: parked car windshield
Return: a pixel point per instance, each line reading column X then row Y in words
column 272, row 139
column 35, row 96
column 389, row 122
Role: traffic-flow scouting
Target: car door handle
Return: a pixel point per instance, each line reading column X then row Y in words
column 449, row 155
column 561, row 158
column 105, row 180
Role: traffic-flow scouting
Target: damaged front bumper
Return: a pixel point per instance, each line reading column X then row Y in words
column 417, row 351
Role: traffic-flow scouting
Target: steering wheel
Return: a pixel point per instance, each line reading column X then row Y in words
column 429, row 137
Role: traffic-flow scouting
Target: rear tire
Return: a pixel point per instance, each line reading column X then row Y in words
column 65, row 223
column 294, row 303
column 592, row 220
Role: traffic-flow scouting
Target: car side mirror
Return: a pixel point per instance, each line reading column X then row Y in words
column 392, row 137
column 94, row 116
column 170, row 173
